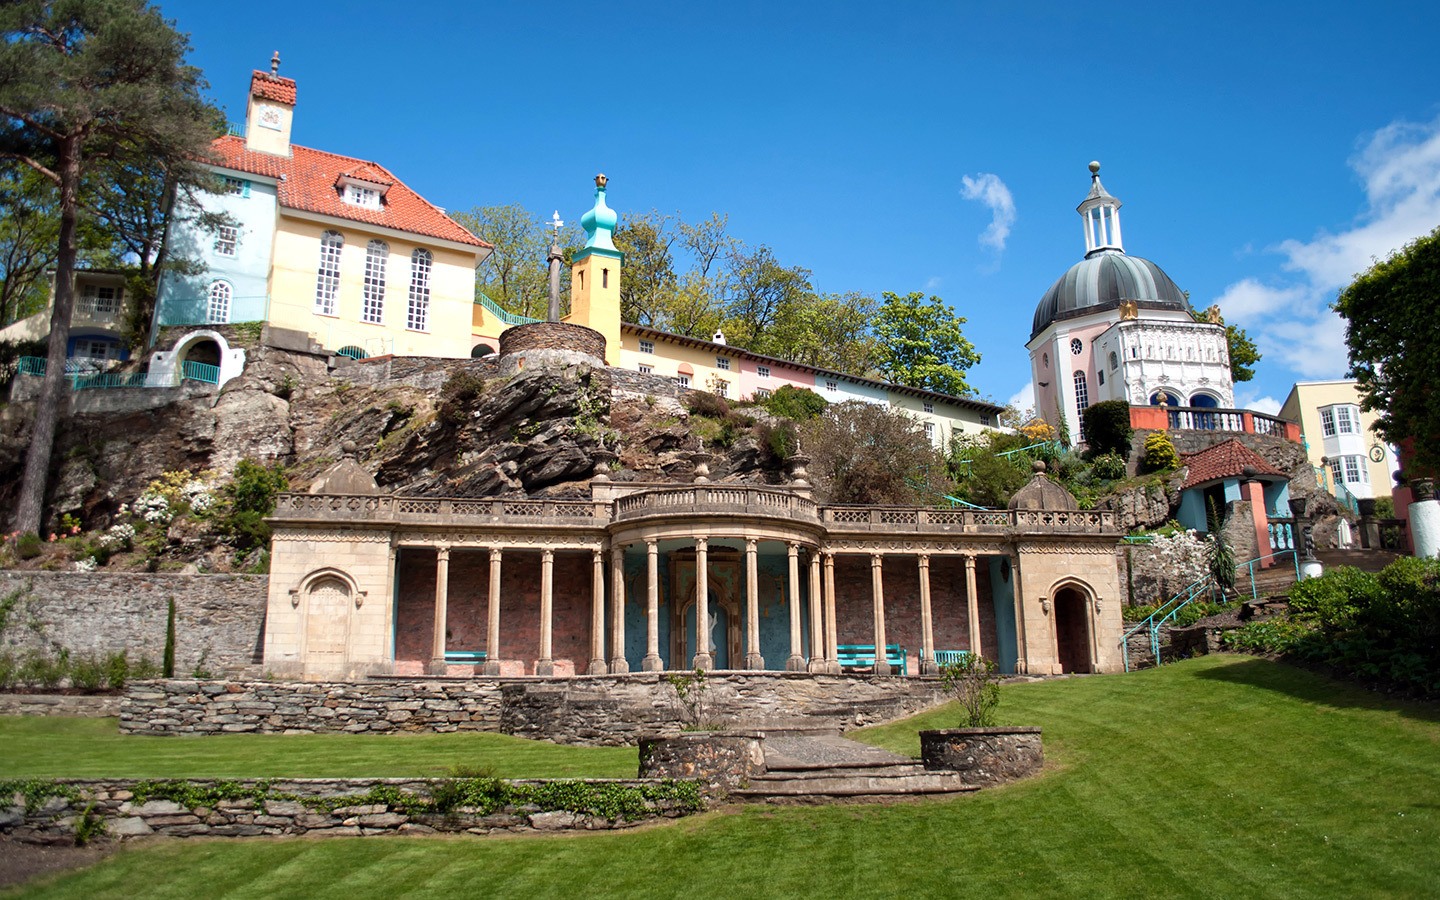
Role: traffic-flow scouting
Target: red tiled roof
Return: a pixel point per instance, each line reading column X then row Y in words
column 272, row 87
column 1225, row 460
column 307, row 181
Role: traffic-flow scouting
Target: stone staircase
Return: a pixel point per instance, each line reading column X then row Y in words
column 1366, row 560
column 822, row 767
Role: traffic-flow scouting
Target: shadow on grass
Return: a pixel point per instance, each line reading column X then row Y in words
column 1318, row 688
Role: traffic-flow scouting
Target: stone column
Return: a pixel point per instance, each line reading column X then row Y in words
column 545, row 665
column 391, row 560
column 652, row 661
column 817, row 618
column 442, row 601
column 618, row 664
column 753, row 659
column 1022, row 651
column 796, row 661
column 927, row 621
column 972, row 605
column 832, row 641
column 492, row 615
column 877, row 591
column 597, row 613
column 703, row 659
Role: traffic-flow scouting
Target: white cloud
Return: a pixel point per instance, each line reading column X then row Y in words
column 933, row 283
column 1266, row 404
column 1289, row 317
column 1024, row 398
column 988, row 189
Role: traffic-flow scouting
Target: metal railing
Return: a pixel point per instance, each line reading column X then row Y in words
column 198, row 371
column 508, row 318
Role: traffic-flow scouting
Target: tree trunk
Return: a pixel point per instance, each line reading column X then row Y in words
column 54, row 397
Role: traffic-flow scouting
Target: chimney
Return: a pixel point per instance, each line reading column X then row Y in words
column 270, row 109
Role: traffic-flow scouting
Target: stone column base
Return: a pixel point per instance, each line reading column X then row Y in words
column 619, row 666
column 702, row 661
column 754, row 661
column 795, row 663
column 598, row 667
column 492, row 667
column 436, row 667
column 929, row 667
column 652, row 664
column 545, row 667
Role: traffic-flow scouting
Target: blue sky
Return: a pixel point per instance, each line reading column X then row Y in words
column 1264, row 152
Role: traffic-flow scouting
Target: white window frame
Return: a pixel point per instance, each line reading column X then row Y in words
column 832, row 385
column 762, row 393
column 928, row 407
column 722, row 363
column 217, row 302
column 1336, row 470
column 930, row 431
column 99, row 300
column 417, row 314
column 722, row 389
column 238, row 186
column 327, row 278
column 683, row 380
column 646, row 370
column 762, row 371
column 647, row 346
column 1327, row 421
column 364, row 197
column 1355, row 470
column 1347, row 419
column 227, row 238
column 372, row 307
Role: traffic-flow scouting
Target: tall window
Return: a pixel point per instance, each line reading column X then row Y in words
column 1347, row 420
column 217, row 309
column 1355, row 471
column 722, row 388
column 1336, row 471
column 1327, row 421
column 1082, row 393
column 226, row 237
column 373, row 310
column 417, row 317
column 327, row 283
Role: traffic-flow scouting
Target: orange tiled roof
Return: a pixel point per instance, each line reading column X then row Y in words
column 272, row 87
column 308, row 181
column 1225, row 460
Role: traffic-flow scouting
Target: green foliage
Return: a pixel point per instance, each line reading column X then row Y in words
column 1394, row 339
column 88, row 826
column 711, row 406
column 28, row 545
column 458, row 394
column 1160, row 453
column 251, row 498
column 920, row 344
column 167, row 664
column 974, row 681
column 778, row 441
column 690, row 691
column 868, row 453
column 1107, row 428
column 796, row 403
column 983, row 476
column 1187, row 616
column 193, row 794
column 516, row 275
column 1276, row 637
column 1241, row 349
column 35, row 791
column 88, row 673
column 43, row 671
column 1108, row 466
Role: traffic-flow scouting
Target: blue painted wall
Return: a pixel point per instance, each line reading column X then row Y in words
column 1192, row 510
column 182, row 299
column 1003, row 594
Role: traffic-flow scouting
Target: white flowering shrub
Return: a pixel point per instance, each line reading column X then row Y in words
column 85, row 565
column 197, row 493
column 1183, row 558
column 153, row 508
column 117, row 537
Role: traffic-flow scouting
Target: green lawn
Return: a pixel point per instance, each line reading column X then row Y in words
column 93, row 748
column 1218, row 777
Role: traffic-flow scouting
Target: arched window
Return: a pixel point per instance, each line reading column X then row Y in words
column 327, row 282
column 352, row 351
column 417, row 317
column 217, row 309
column 373, row 310
column 481, row 350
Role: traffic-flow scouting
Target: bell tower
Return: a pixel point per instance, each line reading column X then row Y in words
column 595, row 275
column 270, row 109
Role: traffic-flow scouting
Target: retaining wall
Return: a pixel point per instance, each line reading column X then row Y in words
column 591, row 710
column 87, row 705
column 984, row 756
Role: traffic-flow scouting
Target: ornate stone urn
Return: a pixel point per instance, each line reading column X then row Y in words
column 603, row 459
column 799, row 475
column 701, row 459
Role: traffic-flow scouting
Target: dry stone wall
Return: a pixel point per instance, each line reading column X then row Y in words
column 603, row 711
column 219, row 619
column 984, row 756
column 312, row 806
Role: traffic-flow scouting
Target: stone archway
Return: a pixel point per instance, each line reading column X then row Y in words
column 1073, row 627
column 328, row 600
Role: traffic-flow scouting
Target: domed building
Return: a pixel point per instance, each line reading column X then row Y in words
column 1116, row 327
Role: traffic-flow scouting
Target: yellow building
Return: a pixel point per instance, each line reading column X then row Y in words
column 333, row 246
column 1340, row 438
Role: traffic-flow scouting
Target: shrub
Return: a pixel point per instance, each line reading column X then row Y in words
column 117, row 670
column 29, row 545
column 167, row 664
column 1277, row 636
column 779, row 440
column 88, row 674
column 9, row 671
column 975, row 683
column 1160, row 454
column 1108, row 466
column 251, row 493
column 1332, row 600
column 711, row 406
column 797, row 403
column 1107, row 427
column 457, row 395
column 40, row 670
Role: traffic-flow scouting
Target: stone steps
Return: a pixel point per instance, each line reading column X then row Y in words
column 825, row 768
column 1365, row 560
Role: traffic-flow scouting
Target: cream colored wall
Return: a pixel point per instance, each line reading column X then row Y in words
column 268, row 140
column 595, row 300
column 293, row 273
column 1044, row 570
column 362, row 558
column 31, row 328
column 1303, row 405
column 668, row 356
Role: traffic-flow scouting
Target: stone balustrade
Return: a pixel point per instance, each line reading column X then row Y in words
column 891, row 519
column 717, row 499
column 437, row 511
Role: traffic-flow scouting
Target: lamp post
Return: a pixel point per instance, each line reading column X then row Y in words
column 1310, row 567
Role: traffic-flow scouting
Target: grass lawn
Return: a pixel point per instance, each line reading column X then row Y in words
column 1218, row 777
column 55, row 747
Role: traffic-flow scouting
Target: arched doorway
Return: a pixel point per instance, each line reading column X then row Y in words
column 327, row 627
column 1072, row 631
column 480, row 351
column 1208, row 421
column 205, row 351
column 720, row 619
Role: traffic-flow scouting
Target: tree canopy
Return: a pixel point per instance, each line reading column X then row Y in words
column 869, row 453
column 919, row 343
column 86, row 86
column 1394, row 337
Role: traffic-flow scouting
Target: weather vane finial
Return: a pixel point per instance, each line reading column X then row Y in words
column 275, row 64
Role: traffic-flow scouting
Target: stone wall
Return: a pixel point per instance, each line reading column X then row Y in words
column 552, row 336
column 86, row 705
column 984, row 756
column 422, row 372
column 721, row 761
column 605, row 710
column 219, row 619
column 313, row 806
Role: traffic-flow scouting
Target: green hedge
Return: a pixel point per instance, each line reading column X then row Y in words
column 1107, row 428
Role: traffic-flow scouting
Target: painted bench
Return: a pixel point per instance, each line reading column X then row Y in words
column 945, row 658
column 862, row 656
column 465, row 657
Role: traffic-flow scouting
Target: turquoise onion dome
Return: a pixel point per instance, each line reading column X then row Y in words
column 599, row 222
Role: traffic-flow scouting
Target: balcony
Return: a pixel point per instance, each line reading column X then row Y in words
column 910, row 520
column 438, row 511
column 709, row 500
column 1199, row 418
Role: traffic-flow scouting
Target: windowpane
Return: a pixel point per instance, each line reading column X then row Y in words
column 217, row 309
column 1327, row 422
column 723, row 363
column 327, row 283
column 1346, row 421
column 722, row 388
column 683, row 380
column 929, row 407
column 417, row 317
column 373, row 310
column 1335, row 471
column 647, row 346
column 1352, row 469
column 646, row 370
column 225, row 239
column 1082, row 400
column 762, row 371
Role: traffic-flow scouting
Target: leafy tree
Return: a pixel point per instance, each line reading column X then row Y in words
column 869, row 453
column 649, row 284
column 762, row 293
column 515, row 274
column 84, row 84
column 1394, row 339
column 29, row 233
column 919, row 343
column 982, row 475
column 797, row 403
column 1242, row 351
column 1107, row 428
column 831, row 331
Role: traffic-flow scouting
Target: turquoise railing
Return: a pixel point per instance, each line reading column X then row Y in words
column 1196, row 590
column 30, row 365
column 508, row 318
column 110, row 380
column 198, row 371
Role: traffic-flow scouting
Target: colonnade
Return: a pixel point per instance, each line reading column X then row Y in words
column 823, row 649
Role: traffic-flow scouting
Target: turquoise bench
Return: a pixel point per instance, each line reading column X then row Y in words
column 950, row 657
column 862, row 656
column 464, row 657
